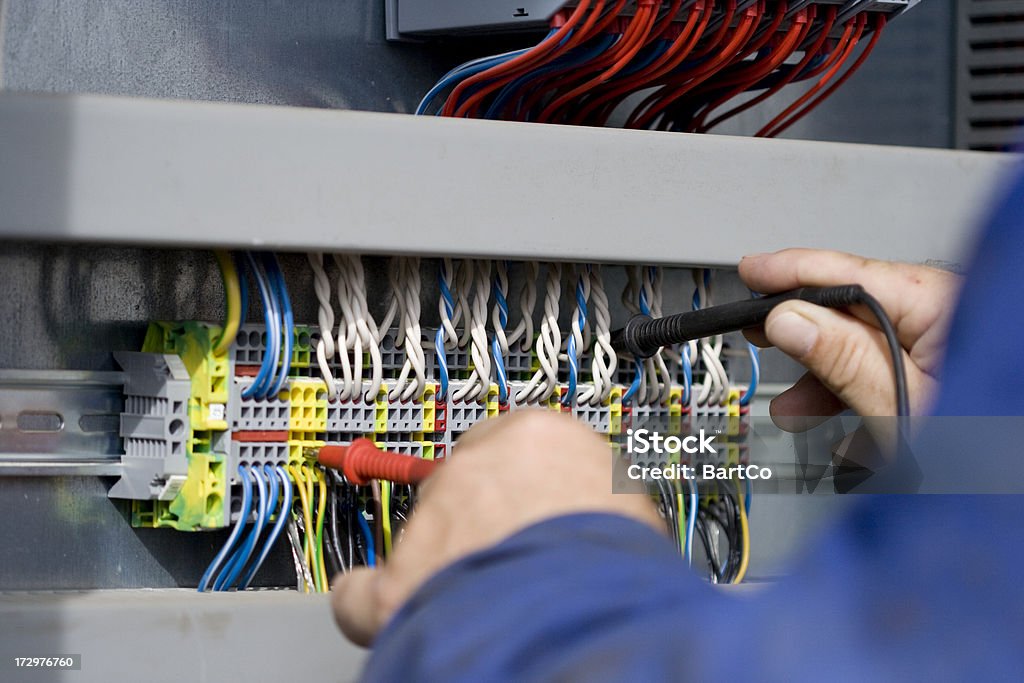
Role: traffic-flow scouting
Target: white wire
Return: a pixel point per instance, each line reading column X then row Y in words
column 631, row 290
column 545, row 380
column 604, row 359
column 351, row 378
column 365, row 328
column 448, row 322
column 407, row 285
column 463, row 286
column 658, row 392
column 527, row 302
column 479, row 280
column 325, row 347
column 395, row 307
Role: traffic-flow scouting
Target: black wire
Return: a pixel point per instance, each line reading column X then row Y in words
column 895, row 350
column 702, row 531
column 332, row 528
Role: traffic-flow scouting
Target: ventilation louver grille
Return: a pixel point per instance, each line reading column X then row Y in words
column 990, row 74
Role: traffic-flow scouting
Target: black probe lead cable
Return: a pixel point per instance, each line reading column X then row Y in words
column 643, row 335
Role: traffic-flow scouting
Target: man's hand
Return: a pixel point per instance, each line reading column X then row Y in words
column 846, row 352
column 508, row 474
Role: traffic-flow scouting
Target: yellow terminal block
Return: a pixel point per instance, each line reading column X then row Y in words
column 200, row 502
column 193, row 343
column 380, row 414
column 428, row 449
column 733, row 412
column 300, row 443
column 429, row 408
column 307, row 405
column 493, row 404
column 614, row 403
column 675, row 409
column 301, row 348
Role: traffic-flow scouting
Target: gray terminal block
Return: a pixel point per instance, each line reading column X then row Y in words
column 154, row 426
column 250, row 345
column 397, row 445
column 255, row 454
column 405, row 416
column 598, row 418
column 356, row 417
column 463, row 414
column 250, row 414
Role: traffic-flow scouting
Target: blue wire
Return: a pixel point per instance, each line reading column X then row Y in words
column 275, row 484
column 442, row 355
column 500, row 373
column 288, row 318
column 204, row 583
column 748, row 496
column 258, row 389
column 496, row 351
column 755, row 375
column 642, row 61
column 231, row 572
column 635, row 386
column 364, row 526
column 575, row 58
column 687, row 374
column 574, row 364
column 442, row 363
column 462, row 72
column 691, row 521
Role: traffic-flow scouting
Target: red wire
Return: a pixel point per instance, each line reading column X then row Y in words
column 673, row 57
column 521, row 62
column 713, row 39
column 592, row 27
column 659, row 30
column 879, row 25
column 739, row 38
column 809, row 55
column 552, row 81
column 834, row 63
column 644, row 18
column 748, row 77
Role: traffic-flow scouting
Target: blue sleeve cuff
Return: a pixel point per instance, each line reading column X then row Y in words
column 489, row 616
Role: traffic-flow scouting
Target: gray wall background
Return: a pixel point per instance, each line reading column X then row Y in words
column 68, row 306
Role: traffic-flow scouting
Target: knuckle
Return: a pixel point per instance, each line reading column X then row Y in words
column 844, row 363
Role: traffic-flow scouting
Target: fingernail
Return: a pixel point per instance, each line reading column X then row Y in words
column 752, row 256
column 793, row 334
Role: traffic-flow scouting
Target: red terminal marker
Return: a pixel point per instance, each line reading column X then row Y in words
column 362, row 461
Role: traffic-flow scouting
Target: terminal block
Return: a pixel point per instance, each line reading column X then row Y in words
column 352, row 417
column 200, row 502
column 251, row 343
column 250, row 414
column 461, row 415
column 154, row 426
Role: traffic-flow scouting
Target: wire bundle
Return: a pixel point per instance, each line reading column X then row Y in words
column 357, row 332
column 691, row 59
column 280, row 326
column 544, row 381
column 262, row 487
column 406, row 285
column 718, row 518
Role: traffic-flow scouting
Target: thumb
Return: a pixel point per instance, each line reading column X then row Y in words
column 850, row 357
column 355, row 604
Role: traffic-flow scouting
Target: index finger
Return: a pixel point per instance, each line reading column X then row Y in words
column 915, row 297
